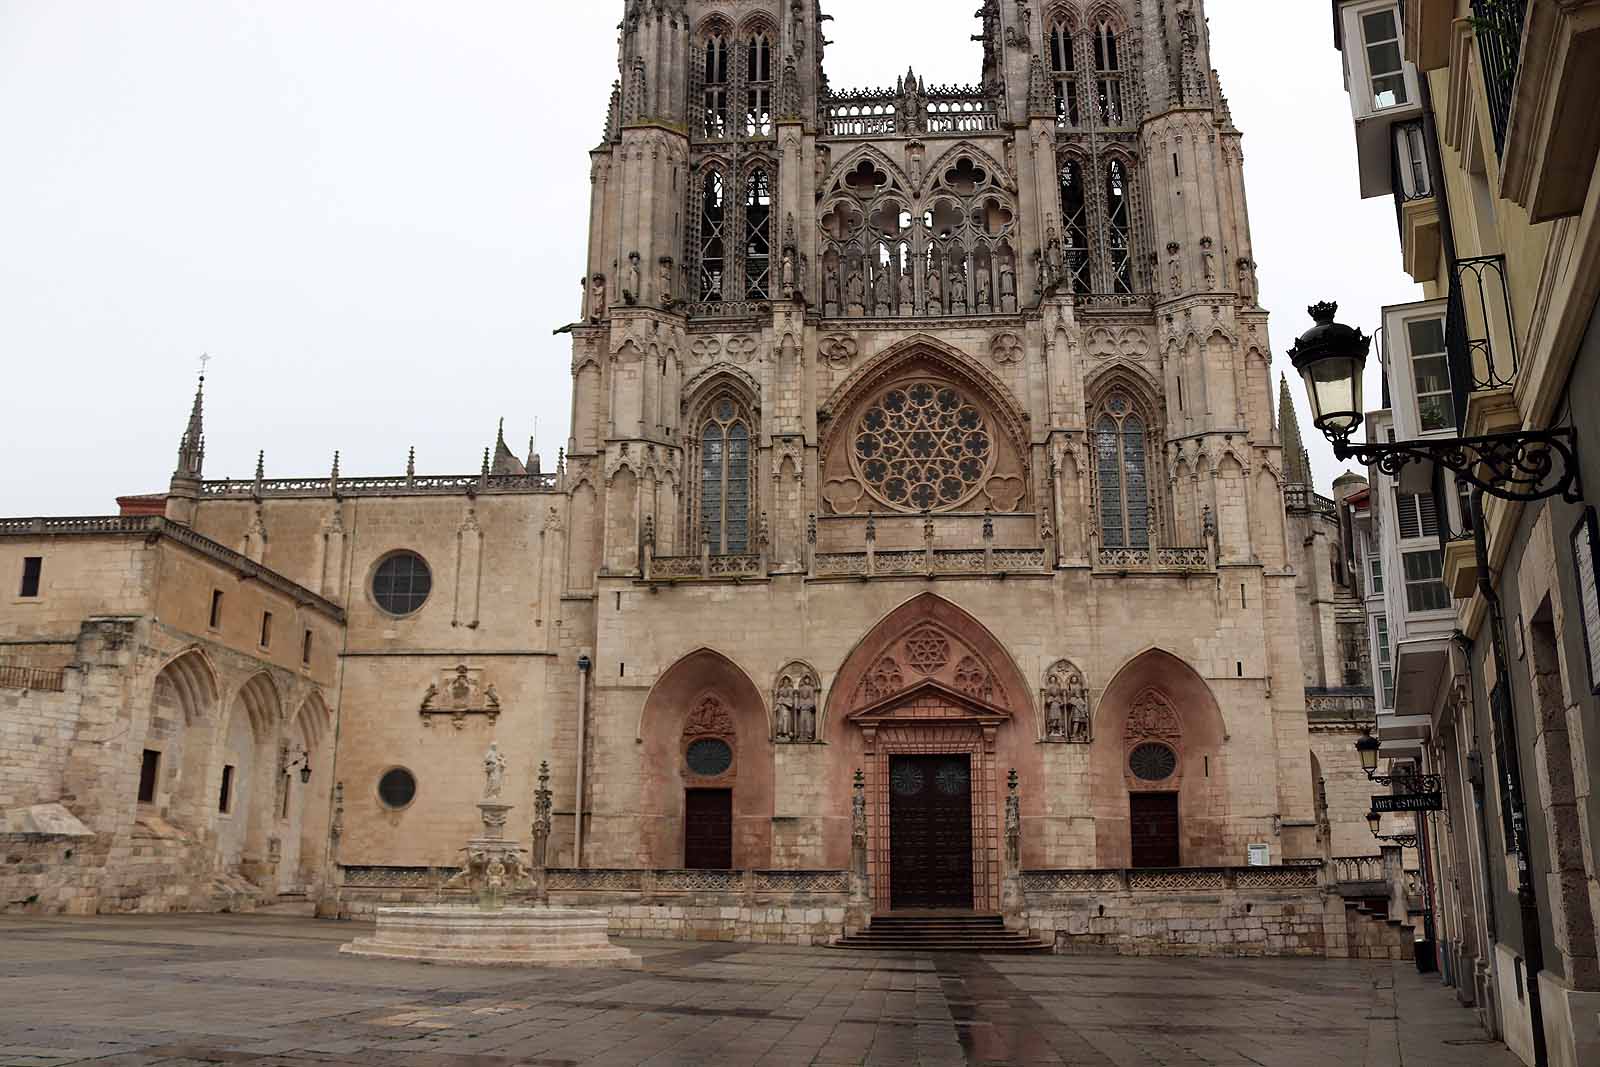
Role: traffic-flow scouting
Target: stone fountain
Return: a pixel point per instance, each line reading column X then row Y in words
column 491, row 933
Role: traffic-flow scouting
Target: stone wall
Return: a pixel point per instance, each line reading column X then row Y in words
column 1250, row 911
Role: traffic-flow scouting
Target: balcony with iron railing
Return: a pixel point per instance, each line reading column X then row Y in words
column 1416, row 207
column 1498, row 27
column 1480, row 335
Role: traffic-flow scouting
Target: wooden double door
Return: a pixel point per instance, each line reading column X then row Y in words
column 930, row 831
column 1153, row 825
column 708, row 829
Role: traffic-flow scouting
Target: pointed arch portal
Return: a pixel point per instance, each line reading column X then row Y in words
column 930, row 699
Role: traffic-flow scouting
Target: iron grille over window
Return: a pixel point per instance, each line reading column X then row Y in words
column 1479, row 331
column 401, row 583
column 1499, row 26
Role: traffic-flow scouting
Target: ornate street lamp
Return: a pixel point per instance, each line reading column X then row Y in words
column 1516, row 465
column 1367, row 748
column 1374, row 820
column 302, row 760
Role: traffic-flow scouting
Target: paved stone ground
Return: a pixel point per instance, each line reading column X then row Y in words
column 274, row 992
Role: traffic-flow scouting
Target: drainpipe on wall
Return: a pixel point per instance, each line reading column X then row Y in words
column 584, row 664
column 1511, row 760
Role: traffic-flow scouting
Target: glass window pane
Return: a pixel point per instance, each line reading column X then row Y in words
column 1379, row 26
column 711, row 485
column 1109, row 470
column 738, row 489
column 1426, row 336
column 1133, row 471
column 1388, row 91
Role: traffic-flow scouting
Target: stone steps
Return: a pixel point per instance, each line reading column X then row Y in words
column 941, row 933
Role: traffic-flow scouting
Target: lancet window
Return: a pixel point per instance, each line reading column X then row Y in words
column 757, row 234
column 1064, row 70
column 758, row 85
column 714, row 95
column 713, row 227
column 1107, row 76
column 725, row 485
column 1075, row 228
column 1119, row 228
column 884, row 254
column 1122, row 474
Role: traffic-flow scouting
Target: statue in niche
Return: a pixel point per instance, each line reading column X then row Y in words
column 597, row 298
column 982, row 292
column 494, row 772
column 583, row 299
column 882, row 295
column 805, row 706
column 1052, row 264
column 935, row 289
column 908, row 297
column 1209, row 259
column 1008, row 285
column 830, row 286
column 958, row 288
column 630, row 295
column 1066, row 704
column 1175, row 277
column 664, row 281
column 788, row 271
column 1247, row 286
column 855, row 291
column 783, row 704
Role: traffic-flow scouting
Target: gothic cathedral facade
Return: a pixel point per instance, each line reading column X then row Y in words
column 927, row 431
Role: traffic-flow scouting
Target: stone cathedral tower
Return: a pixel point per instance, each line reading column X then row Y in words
column 927, row 430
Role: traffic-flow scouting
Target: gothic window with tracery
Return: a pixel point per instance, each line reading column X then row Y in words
column 1123, row 475
column 1064, row 70
column 715, row 93
column 725, row 482
column 1119, row 235
column 1075, row 228
column 1108, row 76
column 922, row 446
column 713, row 220
column 757, row 234
column 758, row 86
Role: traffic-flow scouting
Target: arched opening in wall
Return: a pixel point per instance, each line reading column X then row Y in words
column 1064, row 69
column 706, row 792
column 919, row 430
column 1119, row 228
column 934, row 710
column 183, row 717
column 1075, row 228
column 723, row 417
column 1160, row 783
column 713, row 235
column 304, row 780
column 245, row 788
column 757, row 234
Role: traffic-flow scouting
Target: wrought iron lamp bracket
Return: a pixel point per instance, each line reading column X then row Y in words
column 1518, row 465
column 1403, row 840
column 1422, row 783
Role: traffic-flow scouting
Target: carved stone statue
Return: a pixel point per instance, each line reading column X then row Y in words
column 981, row 291
column 788, row 272
column 855, row 291
column 935, row 289
column 630, row 295
column 1078, row 718
column 784, row 706
column 494, row 772
column 1013, row 827
column 664, row 281
column 805, row 707
column 830, row 286
column 882, row 294
column 1008, row 285
column 597, row 298
column 908, row 297
column 958, row 288
column 1055, row 712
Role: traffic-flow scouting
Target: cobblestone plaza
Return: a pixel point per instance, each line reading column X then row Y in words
column 205, row 989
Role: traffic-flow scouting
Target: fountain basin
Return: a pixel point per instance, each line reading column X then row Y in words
column 506, row 937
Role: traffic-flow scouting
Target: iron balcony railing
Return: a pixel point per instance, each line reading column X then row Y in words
column 1479, row 330
column 1499, row 29
column 1410, row 172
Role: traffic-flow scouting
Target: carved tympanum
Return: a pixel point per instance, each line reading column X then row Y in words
column 1153, row 719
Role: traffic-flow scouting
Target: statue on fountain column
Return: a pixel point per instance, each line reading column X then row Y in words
column 494, row 772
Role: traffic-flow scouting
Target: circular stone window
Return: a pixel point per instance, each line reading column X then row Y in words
column 397, row 788
column 1151, row 762
column 709, row 757
column 922, row 446
column 401, row 583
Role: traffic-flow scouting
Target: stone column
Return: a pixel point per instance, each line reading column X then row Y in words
column 859, row 911
column 1013, row 905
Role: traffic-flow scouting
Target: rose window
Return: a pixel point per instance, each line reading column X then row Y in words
column 922, row 447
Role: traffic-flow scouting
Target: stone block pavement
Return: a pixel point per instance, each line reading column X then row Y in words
column 274, row 992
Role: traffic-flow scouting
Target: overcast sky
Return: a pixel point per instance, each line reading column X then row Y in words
column 372, row 215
